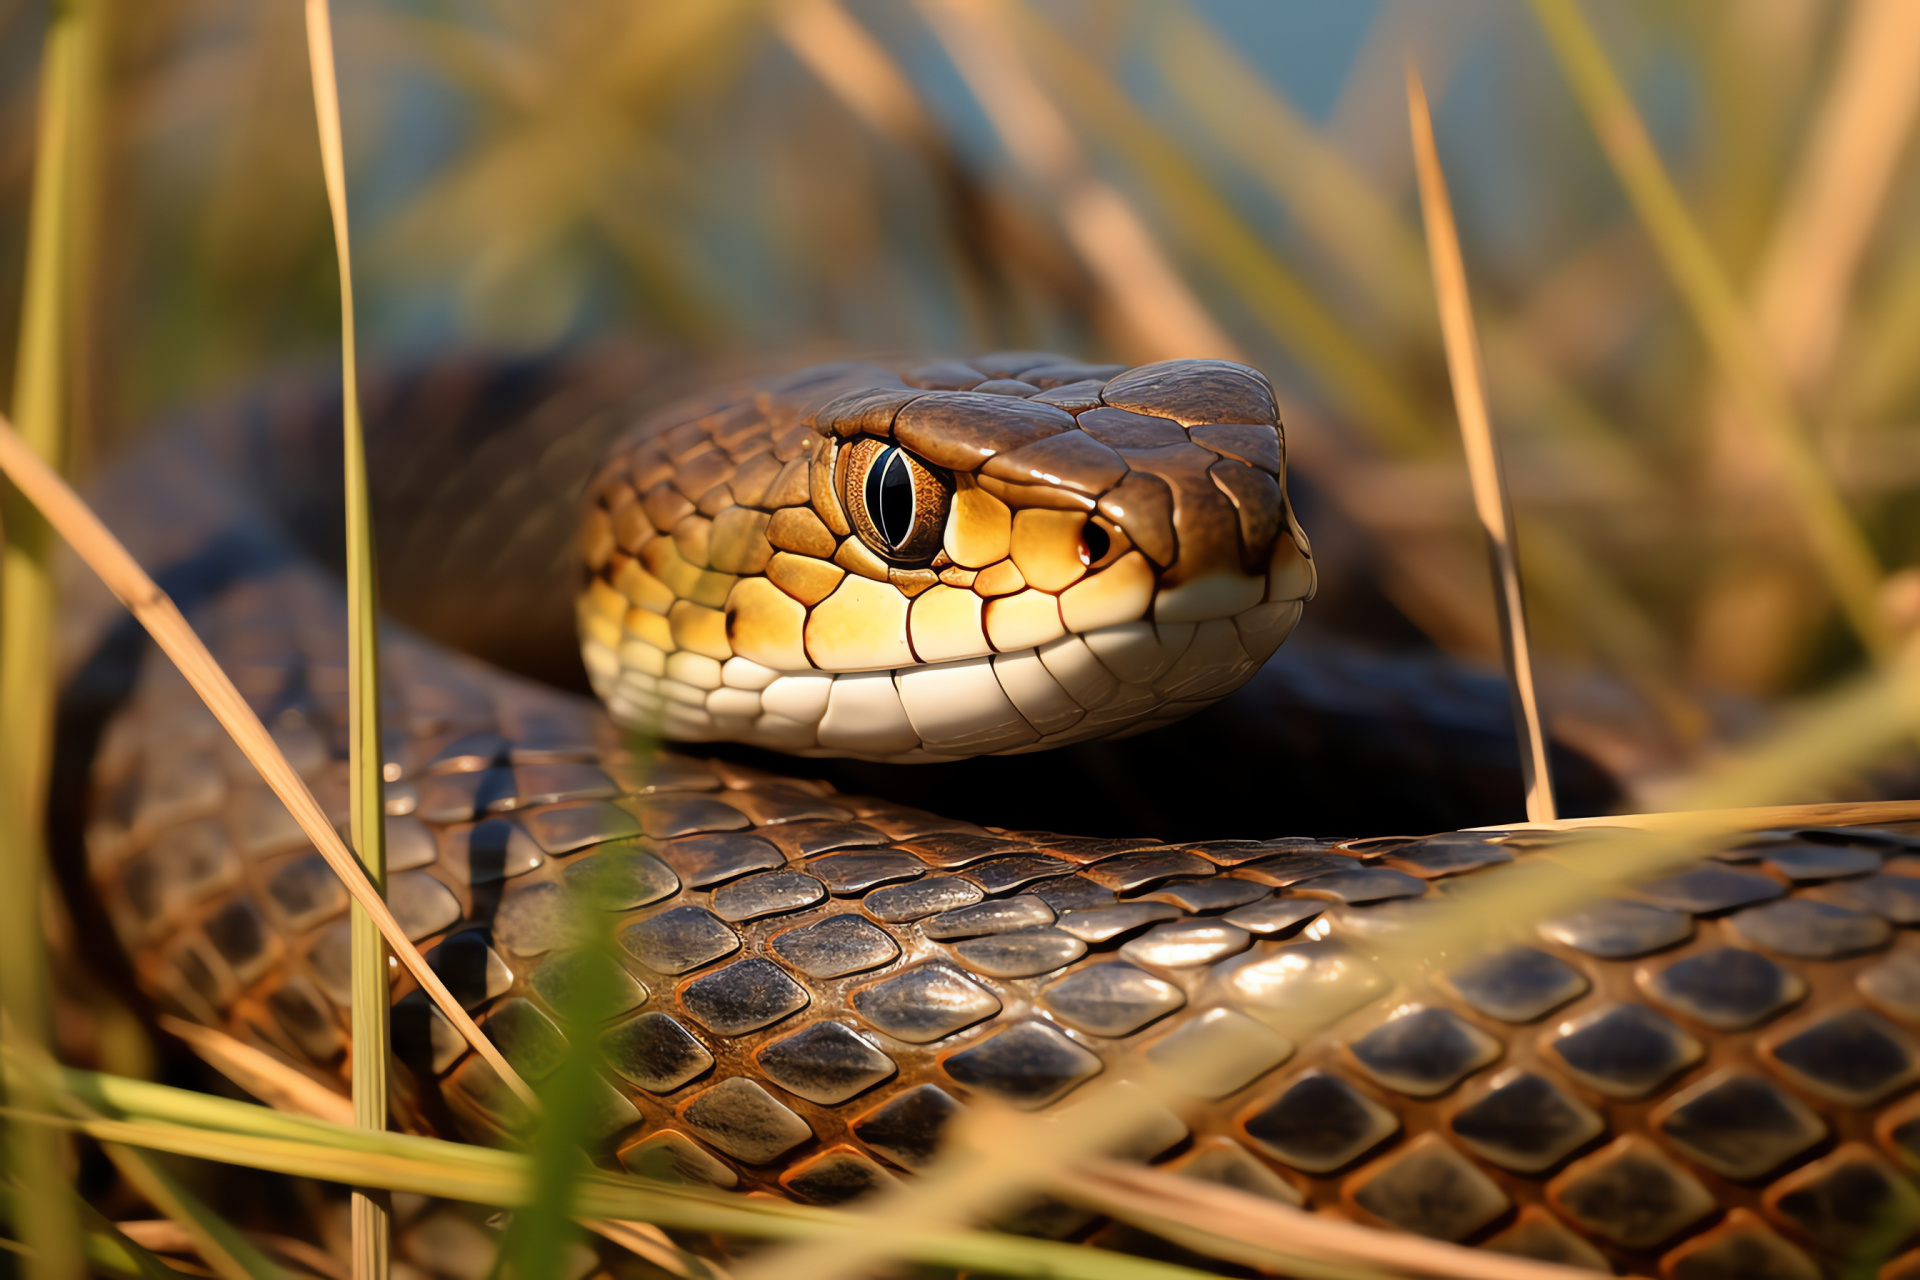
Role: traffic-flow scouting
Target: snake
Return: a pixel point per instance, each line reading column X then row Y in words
column 907, row 564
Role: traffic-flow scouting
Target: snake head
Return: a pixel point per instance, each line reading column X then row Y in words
column 999, row 556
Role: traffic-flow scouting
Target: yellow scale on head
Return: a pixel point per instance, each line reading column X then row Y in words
column 993, row 557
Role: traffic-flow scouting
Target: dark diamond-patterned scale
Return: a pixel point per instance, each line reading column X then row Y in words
column 826, row 1063
column 1219, row 1052
column 1071, row 893
column 906, row 1128
column 1319, row 1123
column 1111, row 999
column 655, row 1052
column 707, row 860
column 1741, row 1248
column 1894, row 898
column 664, row 817
column 1020, row 955
column 1226, row 1163
column 679, row 939
column 924, row 1003
column 620, row 879
column 1132, row 872
column 1894, row 985
column 305, row 891
column 1629, row 1192
column 534, row 920
column 1222, row 893
column 1002, row 875
column 1440, row 856
column 1624, row 1051
column 1538, row 1235
column 668, row 1156
column 745, row 996
column 1851, row 1204
column 957, row 849
column 770, row 893
column 1423, row 1052
column 804, row 839
column 565, row 979
column 566, row 828
column 1811, row 930
column 1003, row 915
column 421, row 904
column 1710, row 890
column 1429, row 1188
column 1182, row 944
column 1526, row 1123
column 1803, row 863
column 1275, row 917
column 1030, row 1064
column 900, row 903
column 1729, row 988
column 527, row 1037
column 1291, row 868
column 1854, row 1058
column 836, row 1176
column 1366, row 884
column 1518, row 984
column 858, row 872
column 1104, row 923
column 1738, row 1125
column 835, row 947
column 745, row 1121
column 1619, row 930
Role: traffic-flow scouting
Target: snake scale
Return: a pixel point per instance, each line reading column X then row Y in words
column 1707, row 1078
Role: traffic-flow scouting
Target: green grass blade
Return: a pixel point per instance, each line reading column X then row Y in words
column 1839, row 545
column 49, row 1227
column 218, row 1241
column 371, row 1213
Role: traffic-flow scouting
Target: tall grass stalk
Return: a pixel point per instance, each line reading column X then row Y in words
column 38, row 1159
column 154, row 610
column 1484, row 468
column 1839, row 545
column 371, row 1210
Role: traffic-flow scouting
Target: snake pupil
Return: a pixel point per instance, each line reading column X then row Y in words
column 890, row 497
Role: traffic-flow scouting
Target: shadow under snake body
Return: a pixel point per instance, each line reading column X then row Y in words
column 965, row 560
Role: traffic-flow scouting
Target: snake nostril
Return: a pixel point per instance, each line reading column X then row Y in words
column 1094, row 543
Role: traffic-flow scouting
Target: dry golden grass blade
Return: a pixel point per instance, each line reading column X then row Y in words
column 646, row 1241
column 1156, row 315
column 857, row 68
column 1490, row 499
column 1212, row 1217
column 370, row 985
column 1840, row 547
column 163, row 1235
column 1838, row 813
column 276, row 1083
column 48, row 1226
column 130, row 584
column 1836, row 197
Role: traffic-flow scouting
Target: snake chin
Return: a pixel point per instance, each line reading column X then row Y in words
column 1111, row 682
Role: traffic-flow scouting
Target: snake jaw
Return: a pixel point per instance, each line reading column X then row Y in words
column 967, row 559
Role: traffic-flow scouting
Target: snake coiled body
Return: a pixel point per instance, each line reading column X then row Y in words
column 1708, row 1078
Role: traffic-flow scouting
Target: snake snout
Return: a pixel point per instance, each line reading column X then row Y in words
column 995, row 556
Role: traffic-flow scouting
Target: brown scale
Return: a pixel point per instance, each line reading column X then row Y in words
column 1709, row 1078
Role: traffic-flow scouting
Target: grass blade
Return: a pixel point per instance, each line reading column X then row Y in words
column 38, row 1158
column 371, row 1214
column 1490, row 499
column 261, row 1074
column 216, row 1240
column 129, row 583
column 1840, row 546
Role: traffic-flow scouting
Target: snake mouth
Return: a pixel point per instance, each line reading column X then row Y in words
column 944, row 564
column 1109, row 682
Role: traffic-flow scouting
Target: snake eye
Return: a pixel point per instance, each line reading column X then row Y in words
column 898, row 503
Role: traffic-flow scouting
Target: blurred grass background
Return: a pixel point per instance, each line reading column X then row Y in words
column 526, row 176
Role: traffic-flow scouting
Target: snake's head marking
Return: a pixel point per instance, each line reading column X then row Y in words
column 991, row 557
